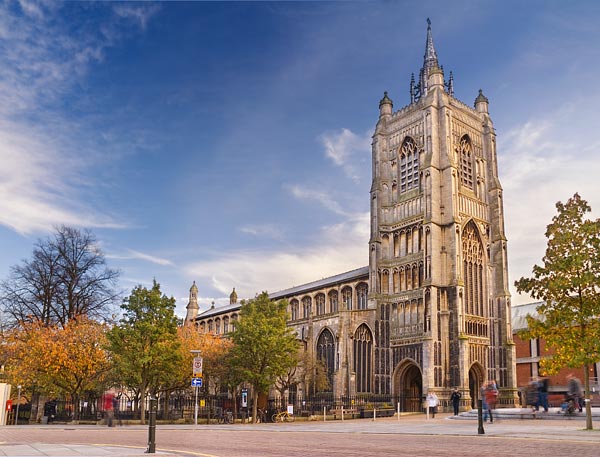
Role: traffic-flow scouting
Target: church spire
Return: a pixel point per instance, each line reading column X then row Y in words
column 430, row 59
column 430, row 67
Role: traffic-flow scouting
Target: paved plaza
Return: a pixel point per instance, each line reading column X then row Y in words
column 550, row 434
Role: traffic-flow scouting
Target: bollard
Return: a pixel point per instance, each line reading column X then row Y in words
column 152, row 426
column 398, row 410
column 324, row 413
column 342, row 414
column 374, row 414
column 480, row 430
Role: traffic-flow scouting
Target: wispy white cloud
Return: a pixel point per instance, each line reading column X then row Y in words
column 333, row 249
column 263, row 230
column 322, row 198
column 140, row 14
column 541, row 162
column 45, row 178
column 132, row 254
column 337, row 248
column 251, row 272
column 347, row 150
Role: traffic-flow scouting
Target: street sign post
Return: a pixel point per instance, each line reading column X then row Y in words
column 197, row 367
column 196, row 380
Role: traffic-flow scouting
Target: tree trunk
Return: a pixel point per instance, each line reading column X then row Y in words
column 143, row 392
column 235, row 403
column 254, row 403
column 75, row 401
column 588, row 403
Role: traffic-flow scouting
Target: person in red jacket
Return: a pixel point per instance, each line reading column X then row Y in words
column 108, row 408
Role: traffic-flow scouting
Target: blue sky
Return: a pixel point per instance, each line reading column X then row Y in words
column 229, row 142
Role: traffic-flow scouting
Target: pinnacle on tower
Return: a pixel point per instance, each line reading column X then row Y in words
column 192, row 306
column 430, row 59
column 430, row 66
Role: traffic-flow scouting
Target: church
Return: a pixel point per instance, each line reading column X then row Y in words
column 431, row 312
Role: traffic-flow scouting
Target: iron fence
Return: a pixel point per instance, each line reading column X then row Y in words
column 180, row 407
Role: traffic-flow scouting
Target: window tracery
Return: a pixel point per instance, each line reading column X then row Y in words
column 361, row 293
column 473, row 259
column 409, row 165
column 326, row 354
column 347, row 297
column 320, row 300
column 465, row 152
column 363, row 359
column 294, row 308
column 306, row 306
column 333, row 301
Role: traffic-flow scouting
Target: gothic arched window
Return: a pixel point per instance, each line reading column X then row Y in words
column 320, row 300
column 473, row 255
column 409, row 165
column 326, row 354
column 347, row 297
column 306, row 306
column 217, row 326
column 465, row 152
column 363, row 358
column 294, row 307
column 361, row 295
column 333, row 301
column 226, row 324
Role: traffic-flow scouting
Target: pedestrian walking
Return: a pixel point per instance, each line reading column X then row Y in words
column 542, row 391
column 108, row 408
column 455, row 399
column 574, row 391
column 432, row 402
column 491, row 398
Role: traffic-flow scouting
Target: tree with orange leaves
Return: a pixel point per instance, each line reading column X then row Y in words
column 65, row 361
column 213, row 349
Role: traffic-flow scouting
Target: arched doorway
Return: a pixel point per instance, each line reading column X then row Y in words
column 408, row 386
column 475, row 383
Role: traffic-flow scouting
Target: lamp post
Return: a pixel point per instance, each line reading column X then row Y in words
column 18, row 403
column 195, row 371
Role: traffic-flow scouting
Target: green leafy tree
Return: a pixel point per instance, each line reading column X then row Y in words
column 144, row 346
column 568, row 282
column 263, row 346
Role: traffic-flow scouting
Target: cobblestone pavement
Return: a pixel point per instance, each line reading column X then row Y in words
column 407, row 435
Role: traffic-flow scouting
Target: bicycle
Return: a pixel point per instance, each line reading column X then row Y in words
column 283, row 416
column 569, row 407
column 226, row 418
column 261, row 416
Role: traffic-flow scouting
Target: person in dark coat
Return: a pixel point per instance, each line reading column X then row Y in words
column 455, row 398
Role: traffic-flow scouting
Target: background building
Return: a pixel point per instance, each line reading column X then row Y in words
column 529, row 353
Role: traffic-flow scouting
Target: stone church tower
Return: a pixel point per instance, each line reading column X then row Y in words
column 438, row 276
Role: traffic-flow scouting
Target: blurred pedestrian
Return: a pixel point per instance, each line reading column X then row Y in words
column 491, row 398
column 108, row 408
column 574, row 391
column 542, row 391
column 432, row 403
